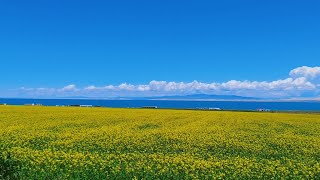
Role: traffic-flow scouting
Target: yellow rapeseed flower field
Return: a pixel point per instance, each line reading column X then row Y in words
column 102, row 143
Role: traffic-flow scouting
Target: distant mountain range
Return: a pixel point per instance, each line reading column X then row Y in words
column 189, row 97
column 204, row 96
column 184, row 97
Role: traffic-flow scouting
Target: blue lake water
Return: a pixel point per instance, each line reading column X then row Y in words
column 226, row 105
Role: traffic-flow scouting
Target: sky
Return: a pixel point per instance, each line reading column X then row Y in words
column 151, row 48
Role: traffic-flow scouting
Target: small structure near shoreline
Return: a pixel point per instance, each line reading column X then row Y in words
column 74, row 105
column 33, row 104
column 264, row 110
column 86, row 106
column 150, row 107
column 215, row 109
column 80, row 105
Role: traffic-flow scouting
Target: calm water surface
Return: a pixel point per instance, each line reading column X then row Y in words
column 227, row 105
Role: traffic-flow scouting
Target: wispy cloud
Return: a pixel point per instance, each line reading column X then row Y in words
column 300, row 82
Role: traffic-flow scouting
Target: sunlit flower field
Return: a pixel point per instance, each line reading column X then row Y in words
column 103, row 143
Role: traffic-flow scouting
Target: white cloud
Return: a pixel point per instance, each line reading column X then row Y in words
column 285, row 84
column 89, row 88
column 305, row 71
column 302, row 81
column 70, row 87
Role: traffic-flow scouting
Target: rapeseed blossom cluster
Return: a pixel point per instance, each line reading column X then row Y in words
column 102, row 143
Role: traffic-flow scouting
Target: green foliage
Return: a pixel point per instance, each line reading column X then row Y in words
column 8, row 167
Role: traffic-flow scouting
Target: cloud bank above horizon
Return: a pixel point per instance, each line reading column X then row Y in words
column 302, row 82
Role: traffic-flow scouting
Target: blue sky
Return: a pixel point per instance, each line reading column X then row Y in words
column 51, row 45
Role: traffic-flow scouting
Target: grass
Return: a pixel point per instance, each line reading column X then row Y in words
column 101, row 143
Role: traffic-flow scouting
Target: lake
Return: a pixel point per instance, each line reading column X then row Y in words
column 226, row 105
